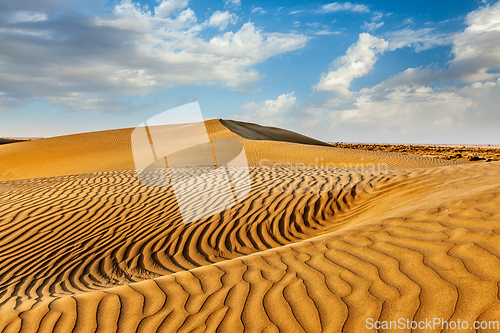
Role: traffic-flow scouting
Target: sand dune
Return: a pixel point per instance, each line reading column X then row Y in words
column 257, row 132
column 85, row 247
column 111, row 151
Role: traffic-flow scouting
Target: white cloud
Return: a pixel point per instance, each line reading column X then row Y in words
column 410, row 106
column 421, row 39
column 343, row 6
column 477, row 48
column 358, row 61
column 313, row 24
column 258, row 10
column 184, row 58
column 409, row 21
column 326, row 32
column 233, row 3
column 222, row 19
column 412, row 112
column 250, row 45
column 323, row 31
column 27, row 16
column 43, row 34
column 168, row 7
column 480, row 89
column 271, row 112
column 403, row 106
column 396, row 110
column 377, row 16
column 164, row 47
column 484, row 115
column 411, row 77
column 406, row 107
column 372, row 26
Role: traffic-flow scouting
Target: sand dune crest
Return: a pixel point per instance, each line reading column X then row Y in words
column 310, row 249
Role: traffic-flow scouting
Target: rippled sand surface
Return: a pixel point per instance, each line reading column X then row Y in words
column 326, row 238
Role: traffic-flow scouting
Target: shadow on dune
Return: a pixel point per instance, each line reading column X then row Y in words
column 257, row 132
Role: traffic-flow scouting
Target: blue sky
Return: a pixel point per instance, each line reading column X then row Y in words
column 372, row 71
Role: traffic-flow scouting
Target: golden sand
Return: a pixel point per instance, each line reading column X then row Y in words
column 463, row 153
column 85, row 247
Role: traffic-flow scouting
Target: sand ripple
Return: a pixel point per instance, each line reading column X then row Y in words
column 306, row 251
column 86, row 247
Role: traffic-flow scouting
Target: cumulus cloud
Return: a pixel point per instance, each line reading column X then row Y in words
column 271, row 112
column 405, row 106
column 419, row 104
column 477, row 49
column 424, row 104
column 362, row 56
column 398, row 110
column 402, row 109
column 167, row 7
column 342, row 6
column 358, row 61
column 131, row 51
column 484, row 115
column 222, row 19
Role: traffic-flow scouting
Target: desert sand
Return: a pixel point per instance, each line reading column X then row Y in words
column 326, row 238
column 463, row 153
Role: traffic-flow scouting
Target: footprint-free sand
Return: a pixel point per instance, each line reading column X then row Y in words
column 326, row 239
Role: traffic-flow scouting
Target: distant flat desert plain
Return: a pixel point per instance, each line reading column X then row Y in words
column 312, row 237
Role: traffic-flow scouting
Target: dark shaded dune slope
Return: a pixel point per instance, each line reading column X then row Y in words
column 257, row 132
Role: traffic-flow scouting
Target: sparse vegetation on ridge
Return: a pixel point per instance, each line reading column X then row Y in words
column 446, row 152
